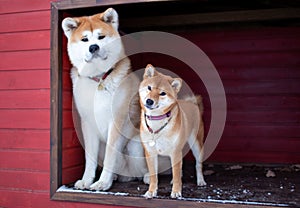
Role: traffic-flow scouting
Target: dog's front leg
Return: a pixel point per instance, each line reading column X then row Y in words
column 152, row 163
column 91, row 144
column 176, row 160
column 113, row 154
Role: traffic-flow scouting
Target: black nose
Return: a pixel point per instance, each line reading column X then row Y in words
column 93, row 48
column 149, row 102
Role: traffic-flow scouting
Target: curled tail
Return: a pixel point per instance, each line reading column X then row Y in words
column 197, row 100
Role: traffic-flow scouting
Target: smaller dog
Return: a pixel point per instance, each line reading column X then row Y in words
column 167, row 124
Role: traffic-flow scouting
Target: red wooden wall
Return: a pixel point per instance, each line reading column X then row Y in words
column 25, row 105
column 259, row 69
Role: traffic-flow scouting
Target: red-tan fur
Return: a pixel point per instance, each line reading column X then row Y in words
column 185, row 126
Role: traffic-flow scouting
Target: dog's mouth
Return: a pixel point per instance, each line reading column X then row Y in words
column 151, row 107
column 90, row 56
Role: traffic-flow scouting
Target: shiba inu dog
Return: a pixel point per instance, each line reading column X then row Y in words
column 167, row 124
column 103, row 93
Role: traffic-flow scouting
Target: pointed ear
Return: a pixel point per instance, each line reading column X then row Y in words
column 69, row 25
column 176, row 84
column 110, row 16
column 149, row 71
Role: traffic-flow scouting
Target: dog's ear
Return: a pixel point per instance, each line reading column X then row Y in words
column 176, row 84
column 69, row 25
column 110, row 16
column 149, row 71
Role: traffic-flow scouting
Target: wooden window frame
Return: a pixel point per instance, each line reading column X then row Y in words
column 57, row 11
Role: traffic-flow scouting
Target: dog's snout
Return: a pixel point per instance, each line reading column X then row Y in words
column 149, row 102
column 93, row 48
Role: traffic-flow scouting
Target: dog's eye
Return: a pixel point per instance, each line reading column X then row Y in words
column 149, row 88
column 100, row 37
column 162, row 94
column 84, row 39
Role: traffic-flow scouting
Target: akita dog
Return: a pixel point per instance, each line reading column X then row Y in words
column 103, row 90
column 167, row 124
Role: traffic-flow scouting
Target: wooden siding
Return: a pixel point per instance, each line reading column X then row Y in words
column 25, row 107
column 262, row 82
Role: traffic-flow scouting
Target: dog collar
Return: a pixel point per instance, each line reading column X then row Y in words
column 102, row 76
column 167, row 115
column 155, row 118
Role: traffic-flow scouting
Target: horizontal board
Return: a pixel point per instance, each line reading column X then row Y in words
column 25, row 139
column 34, row 198
column 30, row 21
column 254, row 157
column 258, row 73
column 228, row 34
column 24, row 99
column 67, row 100
column 25, row 160
column 256, row 131
column 266, row 145
column 72, row 157
column 13, row 6
column 269, row 117
column 257, row 59
column 25, row 80
column 247, row 44
column 25, row 180
column 20, row 60
column 25, row 119
column 71, row 175
column 25, row 41
column 67, row 119
column 263, row 102
column 69, row 139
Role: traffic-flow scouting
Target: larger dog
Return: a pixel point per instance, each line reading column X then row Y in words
column 103, row 91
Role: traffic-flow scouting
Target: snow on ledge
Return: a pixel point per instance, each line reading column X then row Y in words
column 71, row 190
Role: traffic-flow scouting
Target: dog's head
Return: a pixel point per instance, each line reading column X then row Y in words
column 93, row 39
column 158, row 92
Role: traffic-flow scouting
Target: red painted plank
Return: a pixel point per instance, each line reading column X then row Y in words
column 256, row 131
column 25, row 41
column 24, row 139
column 264, row 102
column 69, row 139
column 68, row 119
column 19, row 22
column 73, row 157
column 258, row 73
column 228, row 34
column 254, row 157
column 260, row 144
column 257, row 59
column 272, row 87
column 68, row 100
column 24, row 80
column 25, row 180
column 12, row 6
column 71, row 175
column 25, row 160
column 263, row 117
column 24, row 99
column 251, row 44
column 25, row 119
column 39, row 59
column 23, row 198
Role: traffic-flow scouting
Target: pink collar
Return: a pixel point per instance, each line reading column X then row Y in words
column 156, row 118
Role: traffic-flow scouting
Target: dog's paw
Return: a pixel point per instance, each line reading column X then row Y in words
column 82, row 184
column 150, row 194
column 146, row 178
column 201, row 182
column 175, row 194
column 101, row 185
